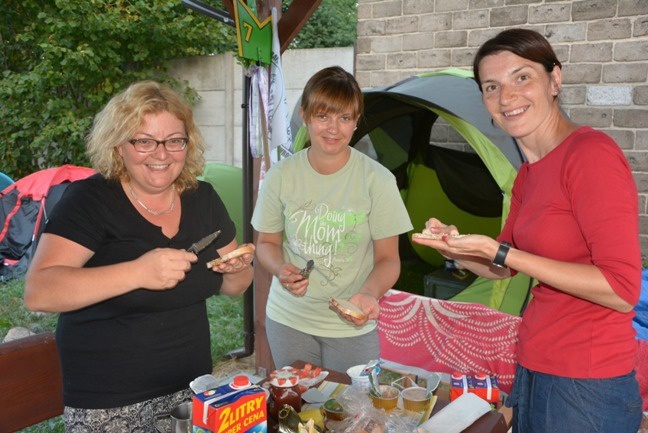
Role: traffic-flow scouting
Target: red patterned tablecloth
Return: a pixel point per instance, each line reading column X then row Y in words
column 446, row 336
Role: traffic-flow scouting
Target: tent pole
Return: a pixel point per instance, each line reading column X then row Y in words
column 248, row 194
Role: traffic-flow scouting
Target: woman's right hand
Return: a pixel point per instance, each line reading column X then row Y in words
column 292, row 280
column 269, row 253
column 164, row 268
column 434, row 226
column 57, row 280
column 473, row 252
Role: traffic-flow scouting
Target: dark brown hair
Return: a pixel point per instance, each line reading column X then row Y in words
column 525, row 43
column 331, row 90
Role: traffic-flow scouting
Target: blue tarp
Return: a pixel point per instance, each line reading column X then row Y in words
column 640, row 321
column 5, row 181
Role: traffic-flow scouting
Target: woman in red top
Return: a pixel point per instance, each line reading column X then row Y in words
column 573, row 227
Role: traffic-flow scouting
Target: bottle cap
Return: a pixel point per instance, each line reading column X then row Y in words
column 240, row 381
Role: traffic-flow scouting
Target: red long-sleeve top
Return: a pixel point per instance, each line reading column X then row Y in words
column 578, row 204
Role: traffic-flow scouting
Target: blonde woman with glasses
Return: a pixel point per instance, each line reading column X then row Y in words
column 117, row 260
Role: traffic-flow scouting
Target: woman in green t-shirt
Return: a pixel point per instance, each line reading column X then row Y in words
column 333, row 205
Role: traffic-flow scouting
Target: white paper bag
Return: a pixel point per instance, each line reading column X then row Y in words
column 457, row 416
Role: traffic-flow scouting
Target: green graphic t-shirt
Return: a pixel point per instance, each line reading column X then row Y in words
column 332, row 220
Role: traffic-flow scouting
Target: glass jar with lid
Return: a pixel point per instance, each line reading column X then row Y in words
column 284, row 389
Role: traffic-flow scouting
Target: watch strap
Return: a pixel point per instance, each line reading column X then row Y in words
column 500, row 257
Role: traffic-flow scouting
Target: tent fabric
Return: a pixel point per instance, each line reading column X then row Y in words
column 513, row 301
column 640, row 320
column 5, row 181
column 227, row 180
column 450, row 93
column 426, row 197
column 466, row 181
column 24, row 209
column 640, row 323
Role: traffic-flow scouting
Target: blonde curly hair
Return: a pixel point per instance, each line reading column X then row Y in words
column 123, row 115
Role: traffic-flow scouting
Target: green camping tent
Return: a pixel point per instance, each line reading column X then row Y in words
column 450, row 161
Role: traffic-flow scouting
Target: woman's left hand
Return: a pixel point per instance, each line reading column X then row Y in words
column 369, row 306
column 235, row 265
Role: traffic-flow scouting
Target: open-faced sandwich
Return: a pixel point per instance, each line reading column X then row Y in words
column 345, row 307
column 243, row 249
column 426, row 234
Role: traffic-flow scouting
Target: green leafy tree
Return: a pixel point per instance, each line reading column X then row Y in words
column 61, row 61
column 333, row 24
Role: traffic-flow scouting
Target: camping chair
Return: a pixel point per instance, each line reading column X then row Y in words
column 227, row 180
column 31, row 384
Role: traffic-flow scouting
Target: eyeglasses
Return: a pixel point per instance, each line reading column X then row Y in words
column 148, row 145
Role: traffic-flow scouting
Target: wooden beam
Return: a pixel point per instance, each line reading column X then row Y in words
column 290, row 24
column 229, row 5
column 264, row 8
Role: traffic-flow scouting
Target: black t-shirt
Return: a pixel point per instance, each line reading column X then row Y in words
column 145, row 343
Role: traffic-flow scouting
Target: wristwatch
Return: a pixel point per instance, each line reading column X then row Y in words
column 500, row 257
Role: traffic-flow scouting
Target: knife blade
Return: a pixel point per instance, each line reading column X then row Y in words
column 204, row 242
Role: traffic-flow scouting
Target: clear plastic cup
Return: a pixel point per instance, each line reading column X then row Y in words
column 416, row 399
column 358, row 381
column 388, row 398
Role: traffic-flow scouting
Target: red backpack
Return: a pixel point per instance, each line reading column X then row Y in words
column 24, row 209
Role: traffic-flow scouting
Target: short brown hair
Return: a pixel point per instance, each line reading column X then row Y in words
column 331, row 90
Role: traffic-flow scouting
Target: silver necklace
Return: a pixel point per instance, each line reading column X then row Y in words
column 153, row 212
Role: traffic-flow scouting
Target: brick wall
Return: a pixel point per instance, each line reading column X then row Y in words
column 603, row 45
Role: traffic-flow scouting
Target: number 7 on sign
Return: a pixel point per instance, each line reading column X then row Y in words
column 254, row 38
column 248, row 33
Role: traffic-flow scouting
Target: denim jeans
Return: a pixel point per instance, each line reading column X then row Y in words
column 543, row 403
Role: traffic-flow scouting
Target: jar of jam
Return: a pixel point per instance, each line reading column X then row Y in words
column 284, row 389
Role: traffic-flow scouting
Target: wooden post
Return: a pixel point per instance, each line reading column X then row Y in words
column 289, row 25
column 262, row 278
